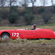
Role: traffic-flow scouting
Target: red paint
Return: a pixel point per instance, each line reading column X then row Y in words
column 30, row 34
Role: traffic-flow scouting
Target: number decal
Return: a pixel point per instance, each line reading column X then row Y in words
column 15, row 34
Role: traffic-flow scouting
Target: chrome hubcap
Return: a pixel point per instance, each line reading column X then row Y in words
column 4, row 36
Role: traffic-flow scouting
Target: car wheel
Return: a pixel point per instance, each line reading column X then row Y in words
column 41, row 38
column 5, row 35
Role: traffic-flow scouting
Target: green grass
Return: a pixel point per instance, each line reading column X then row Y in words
column 32, row 41
column 29, row 27
column 52, row 23
column 18, row 40
column 44, row 41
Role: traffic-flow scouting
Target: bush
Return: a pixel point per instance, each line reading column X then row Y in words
column 28, row 18
column 41, row 9
column 4, row 14
column 24, row 12
column 13, row 14
column 27, row 10
column 0, row 17
column 13, row 9
column 46, row 16
column 12, row 17
column 54, row 8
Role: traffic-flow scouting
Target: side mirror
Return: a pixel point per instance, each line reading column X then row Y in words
column 15, row 28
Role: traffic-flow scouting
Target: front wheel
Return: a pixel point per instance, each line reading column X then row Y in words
column 5, row 35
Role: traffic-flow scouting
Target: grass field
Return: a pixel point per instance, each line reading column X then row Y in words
column 29, row 27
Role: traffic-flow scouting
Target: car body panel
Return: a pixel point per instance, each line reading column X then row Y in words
column 30, row 34
column 45, row 33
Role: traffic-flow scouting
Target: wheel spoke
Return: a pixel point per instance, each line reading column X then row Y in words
column 5, row 35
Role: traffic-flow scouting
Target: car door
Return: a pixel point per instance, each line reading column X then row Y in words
column 30, row 34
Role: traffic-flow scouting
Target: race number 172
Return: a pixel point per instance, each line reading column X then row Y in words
column 15, row 34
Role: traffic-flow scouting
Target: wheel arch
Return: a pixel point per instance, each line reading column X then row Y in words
column 5, row 32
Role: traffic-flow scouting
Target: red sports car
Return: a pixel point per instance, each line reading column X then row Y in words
column 28, row 34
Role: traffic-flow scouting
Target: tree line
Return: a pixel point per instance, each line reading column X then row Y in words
column 13, row 14
column 9, row 3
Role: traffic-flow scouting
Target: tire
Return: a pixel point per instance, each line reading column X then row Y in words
column 5, row 35
column 42, row 39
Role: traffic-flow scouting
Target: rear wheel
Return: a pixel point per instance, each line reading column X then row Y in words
column 42, row 39
column 5, row 35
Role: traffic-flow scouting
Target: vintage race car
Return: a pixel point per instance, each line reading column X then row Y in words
column 28, row 34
